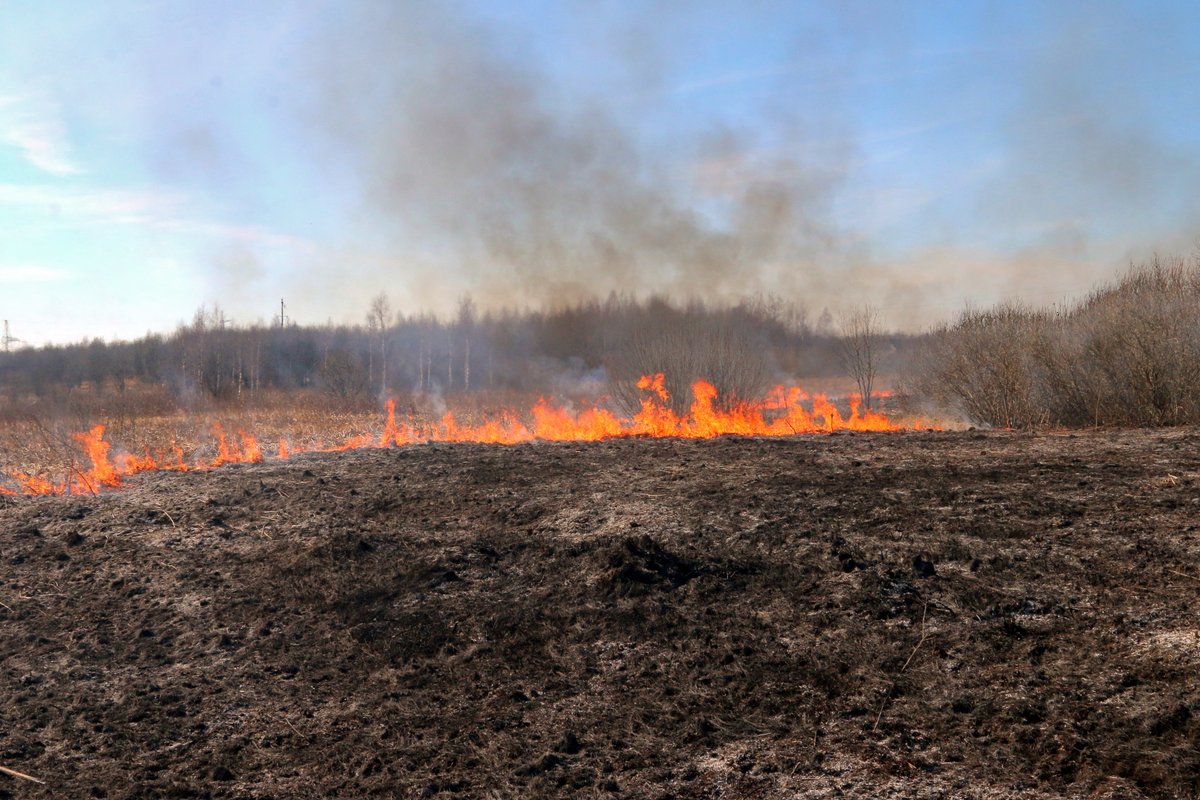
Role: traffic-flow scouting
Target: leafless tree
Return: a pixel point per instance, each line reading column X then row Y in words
column 379, row 320
column 860, row 349
column 343, row 376
column 564, row 350
column 466, row 327
column 697, row 343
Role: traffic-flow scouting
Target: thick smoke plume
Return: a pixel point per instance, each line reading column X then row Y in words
column 447, row 149
column 535, row 195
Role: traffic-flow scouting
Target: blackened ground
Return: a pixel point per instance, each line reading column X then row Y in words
column 915, row 615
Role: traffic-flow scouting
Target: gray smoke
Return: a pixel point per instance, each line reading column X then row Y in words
column 531, row 194
column 460, row 162
column 1090, row 181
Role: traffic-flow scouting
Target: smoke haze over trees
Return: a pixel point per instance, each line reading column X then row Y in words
column 1126, row 354
column 585, row 351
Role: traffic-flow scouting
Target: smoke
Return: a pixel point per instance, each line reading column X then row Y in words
column 1090, row 176
column 528, row 192
column 472, row 159
column 905, row 157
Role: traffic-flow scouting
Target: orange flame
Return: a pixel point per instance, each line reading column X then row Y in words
column 781, row 413
column 102, row 473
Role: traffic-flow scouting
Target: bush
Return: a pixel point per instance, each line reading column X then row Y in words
column 722, row 347
column 1128, row 354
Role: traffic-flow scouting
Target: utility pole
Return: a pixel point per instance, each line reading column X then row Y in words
column 8, row 340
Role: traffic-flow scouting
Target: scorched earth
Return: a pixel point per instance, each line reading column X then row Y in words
column 956, row 614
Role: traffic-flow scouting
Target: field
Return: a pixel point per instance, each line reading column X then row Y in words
column 956, row 614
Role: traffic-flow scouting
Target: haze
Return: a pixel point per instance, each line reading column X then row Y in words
column 157, row 156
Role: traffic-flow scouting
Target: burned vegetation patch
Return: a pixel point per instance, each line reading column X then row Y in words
column 916, row 615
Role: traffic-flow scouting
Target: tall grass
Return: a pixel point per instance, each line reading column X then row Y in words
column 1127, row 354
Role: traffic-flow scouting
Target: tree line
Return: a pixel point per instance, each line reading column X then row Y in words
column 594, row 346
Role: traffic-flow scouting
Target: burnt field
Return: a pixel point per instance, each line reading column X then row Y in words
column 906, row 615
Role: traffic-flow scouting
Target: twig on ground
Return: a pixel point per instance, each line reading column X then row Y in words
column 1184, row 575
column 888, row 694
column 21, row 775
column 920, row 641
column 79, row 474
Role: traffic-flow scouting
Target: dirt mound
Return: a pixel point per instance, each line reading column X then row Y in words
column 917, row 615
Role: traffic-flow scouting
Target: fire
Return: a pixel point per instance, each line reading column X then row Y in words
column 786, row 411
column 102, row 473
column 243, row 451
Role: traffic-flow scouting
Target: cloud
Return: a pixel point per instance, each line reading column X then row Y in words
column 32, row 273
column 153, row 208
column 113, row 205
column 245, row 234
column 33, row 124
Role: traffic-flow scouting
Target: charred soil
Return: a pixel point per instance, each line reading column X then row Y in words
column 907, row 615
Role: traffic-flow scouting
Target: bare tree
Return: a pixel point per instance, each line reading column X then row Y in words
column 379, row 319
column 466, row 326
column 860, row 349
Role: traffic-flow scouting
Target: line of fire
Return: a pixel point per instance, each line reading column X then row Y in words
column 785, row 411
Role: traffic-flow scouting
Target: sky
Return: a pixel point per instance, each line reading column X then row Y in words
column 160, row 156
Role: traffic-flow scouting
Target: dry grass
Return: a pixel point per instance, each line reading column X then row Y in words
column 40, row 443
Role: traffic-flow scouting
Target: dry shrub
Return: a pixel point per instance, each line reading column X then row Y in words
column 1143, row 337
column 1128, row 354
column 686, row 345
column 981, row 365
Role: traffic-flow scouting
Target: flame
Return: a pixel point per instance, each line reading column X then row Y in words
column 783, row 412
column 243, row 451
column 102, row 473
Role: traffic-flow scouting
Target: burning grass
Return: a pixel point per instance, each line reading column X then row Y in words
column 86, row 461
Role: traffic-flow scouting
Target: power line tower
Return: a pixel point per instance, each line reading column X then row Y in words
column 8, row 340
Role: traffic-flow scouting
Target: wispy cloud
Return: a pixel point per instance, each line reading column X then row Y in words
column 156, row 209
column 33, row 124
column 32, row 273
column 246, row 234
column 814, row 76
column 734, row 77
column 112, row 205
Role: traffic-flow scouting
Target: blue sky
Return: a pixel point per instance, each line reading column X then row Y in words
column 156, row 156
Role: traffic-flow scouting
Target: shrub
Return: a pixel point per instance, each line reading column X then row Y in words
column 719, row 346
column 1128, row 354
